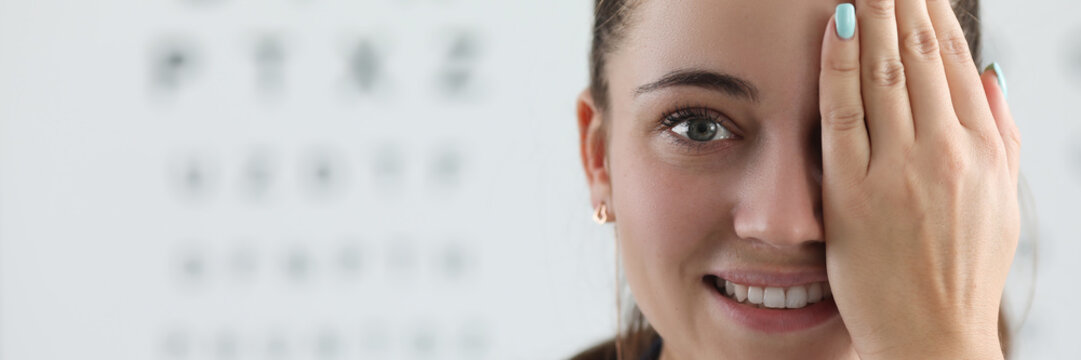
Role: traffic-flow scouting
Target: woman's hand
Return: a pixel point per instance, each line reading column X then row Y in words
column 920, row 160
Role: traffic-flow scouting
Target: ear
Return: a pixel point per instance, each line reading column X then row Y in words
column 592, row 139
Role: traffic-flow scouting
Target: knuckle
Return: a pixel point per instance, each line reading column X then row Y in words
column 881, row 8
column 988, row 145
column 986, row 137
column 952, row 161
column 843, row 65
column 923, row 43
column 952, row 165
column 954, row 45
column 843, row 118
column 889, row 72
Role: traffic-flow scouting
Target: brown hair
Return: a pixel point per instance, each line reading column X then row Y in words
column 610, row 20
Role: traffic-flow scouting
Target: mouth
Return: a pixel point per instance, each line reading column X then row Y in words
column 771, row 297
column 773, row 303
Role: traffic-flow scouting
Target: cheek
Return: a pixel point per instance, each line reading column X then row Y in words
column 668, row 218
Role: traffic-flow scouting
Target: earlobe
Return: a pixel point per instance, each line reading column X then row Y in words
column 593, row 149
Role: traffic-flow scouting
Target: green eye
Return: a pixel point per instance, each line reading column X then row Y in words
column 701, row 129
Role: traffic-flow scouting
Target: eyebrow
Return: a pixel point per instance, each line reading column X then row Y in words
column 705, row 79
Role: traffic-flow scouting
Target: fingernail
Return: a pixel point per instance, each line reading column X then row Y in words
column 846, row 21
column 1001, row 77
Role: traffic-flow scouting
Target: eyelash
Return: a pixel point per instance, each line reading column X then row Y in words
column 686, row 113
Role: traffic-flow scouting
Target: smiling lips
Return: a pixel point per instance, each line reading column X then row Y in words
column 790, row 302
column 792, row 297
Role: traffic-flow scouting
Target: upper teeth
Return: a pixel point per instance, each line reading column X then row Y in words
column 792, row 297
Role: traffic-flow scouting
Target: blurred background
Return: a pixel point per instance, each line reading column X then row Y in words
column 379, row 179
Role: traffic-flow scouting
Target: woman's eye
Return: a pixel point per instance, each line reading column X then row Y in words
column 700, row 129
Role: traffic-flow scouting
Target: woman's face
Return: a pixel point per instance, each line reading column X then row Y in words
column 713, row 171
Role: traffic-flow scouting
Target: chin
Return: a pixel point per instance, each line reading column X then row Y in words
column 829, row 341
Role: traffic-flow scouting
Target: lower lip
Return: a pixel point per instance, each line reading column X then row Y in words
column 777, row 320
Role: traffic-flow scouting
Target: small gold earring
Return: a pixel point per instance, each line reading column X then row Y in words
column 601, row 214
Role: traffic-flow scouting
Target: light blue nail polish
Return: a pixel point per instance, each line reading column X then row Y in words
column 1001, row 78
column 846, row 21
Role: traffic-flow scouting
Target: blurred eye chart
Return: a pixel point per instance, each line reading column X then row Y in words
column 292, row 179
column 378, row 179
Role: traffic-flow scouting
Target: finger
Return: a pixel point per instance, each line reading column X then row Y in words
column 846, row 148
column 928, row 91
column 885, row 98
column 969, row 100
column 994, row 85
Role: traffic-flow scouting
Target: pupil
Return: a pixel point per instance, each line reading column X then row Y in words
column 702, row 130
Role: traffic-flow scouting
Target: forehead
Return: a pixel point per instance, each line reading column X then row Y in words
column 774, row 44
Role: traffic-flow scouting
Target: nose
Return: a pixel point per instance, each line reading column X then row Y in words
column 780, row 203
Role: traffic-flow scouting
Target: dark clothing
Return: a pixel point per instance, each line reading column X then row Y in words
column 607, row 351
column 654, row 352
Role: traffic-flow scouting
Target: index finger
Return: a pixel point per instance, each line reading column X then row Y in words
column 845, row 144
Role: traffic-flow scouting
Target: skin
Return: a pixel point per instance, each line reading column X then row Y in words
column 885, row 161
